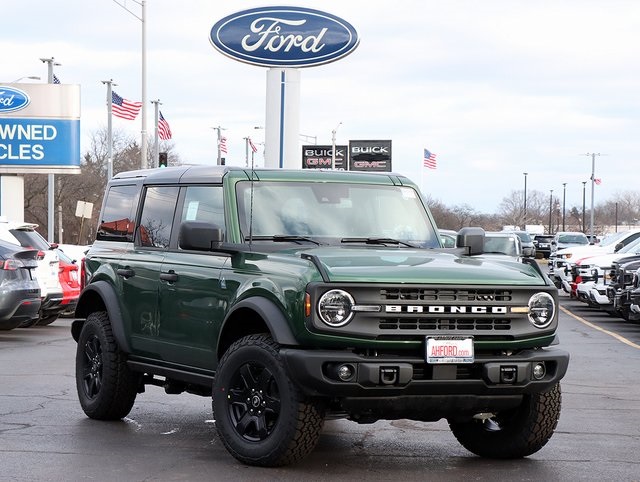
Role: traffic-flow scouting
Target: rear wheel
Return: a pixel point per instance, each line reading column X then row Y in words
column 106, row 387
column 261, row 416
column 513, row 433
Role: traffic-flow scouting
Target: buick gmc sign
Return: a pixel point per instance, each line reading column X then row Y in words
column 284, row 37
column 370, row 155
column 12, row 99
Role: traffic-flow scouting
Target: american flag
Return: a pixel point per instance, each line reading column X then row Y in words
column 123, row 108
column 164, row 131
column 222, row 145
column 252, row 145
column 56, row 80
column 429, row 159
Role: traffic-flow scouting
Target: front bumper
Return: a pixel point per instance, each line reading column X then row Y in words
column 315, row 372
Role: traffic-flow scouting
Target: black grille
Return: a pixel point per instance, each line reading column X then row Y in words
column 441, row 295
column 444, row 324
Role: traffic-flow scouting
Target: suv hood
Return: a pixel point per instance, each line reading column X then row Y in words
column 401, row 265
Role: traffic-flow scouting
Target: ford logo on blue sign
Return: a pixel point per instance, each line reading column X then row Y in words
column 284, row 37
column 12, row 99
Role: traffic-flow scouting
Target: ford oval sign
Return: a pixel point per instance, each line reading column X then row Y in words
column 12, row 99
column 284, row 37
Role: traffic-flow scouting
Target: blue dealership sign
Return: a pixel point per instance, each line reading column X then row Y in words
column 284, row 37
column 43, row 142
column 39, row 128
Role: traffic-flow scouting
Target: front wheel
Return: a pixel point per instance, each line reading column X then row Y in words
column 513, row 433
column 106, row 387
column 261, row 416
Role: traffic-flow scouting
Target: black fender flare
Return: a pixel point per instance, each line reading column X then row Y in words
column 87, row 305
column 272, row 316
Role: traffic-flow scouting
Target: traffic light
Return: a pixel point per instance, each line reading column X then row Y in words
column 162, row 159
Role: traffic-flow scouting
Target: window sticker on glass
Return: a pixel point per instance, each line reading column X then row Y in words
column 192, row 210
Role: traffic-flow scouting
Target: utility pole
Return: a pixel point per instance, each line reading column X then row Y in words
column 564, row 198
column 219, row 138
column 593, row 181
column 52, row 179
column 524, row 227
column 550, row 209
column 584, row 186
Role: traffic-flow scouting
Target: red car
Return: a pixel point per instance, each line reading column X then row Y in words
column 70, row 281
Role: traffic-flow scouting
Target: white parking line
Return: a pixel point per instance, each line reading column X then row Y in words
column 595, row 327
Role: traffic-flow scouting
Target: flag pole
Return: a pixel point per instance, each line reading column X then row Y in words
column 156, row 148
column 110, row 86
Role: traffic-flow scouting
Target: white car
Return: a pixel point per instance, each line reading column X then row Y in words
column 47, row 272
column 592, row 274
column 560, row 263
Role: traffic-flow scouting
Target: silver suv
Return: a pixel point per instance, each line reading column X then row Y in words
column 25, row 235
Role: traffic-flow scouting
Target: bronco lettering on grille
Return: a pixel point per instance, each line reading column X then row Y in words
column 496, row 310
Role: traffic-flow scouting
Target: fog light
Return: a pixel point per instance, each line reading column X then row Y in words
column 345, row 372
column 539, row 371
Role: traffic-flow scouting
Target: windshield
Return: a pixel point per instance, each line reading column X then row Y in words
column 573, row 238
column 331, row 212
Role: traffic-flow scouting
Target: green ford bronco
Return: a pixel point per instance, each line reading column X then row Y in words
column 293, row 296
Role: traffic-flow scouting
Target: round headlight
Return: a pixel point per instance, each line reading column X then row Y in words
column 542, row 308
column 334, row 307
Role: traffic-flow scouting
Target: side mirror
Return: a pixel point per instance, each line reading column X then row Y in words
column 618, row 247
column 472, row 239
column 200, row 236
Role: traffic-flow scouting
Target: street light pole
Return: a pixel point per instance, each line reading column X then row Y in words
column 584, row 186
column 333, row 146
column 524, row 227
column 593, row 180
column 564, row 198
column 143, row 131
column 550, row 208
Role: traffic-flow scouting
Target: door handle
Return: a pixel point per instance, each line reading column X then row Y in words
column 170, row 277
column 126, row 272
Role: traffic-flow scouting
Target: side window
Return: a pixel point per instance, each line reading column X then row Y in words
column 204, row 203
column 117, row 223
column 157, row 216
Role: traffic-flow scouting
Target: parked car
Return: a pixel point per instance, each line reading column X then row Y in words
column 528, row 248
column 448, row 237
column 568, row 239
column 70, row 281
column 47, row 272
column 213, row 280
column 19, row 288
column 542, row 242
column 502, row 242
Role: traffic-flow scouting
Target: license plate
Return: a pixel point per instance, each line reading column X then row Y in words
column 449, row 349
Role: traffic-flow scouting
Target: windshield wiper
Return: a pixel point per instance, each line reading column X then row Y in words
column 283, row 238
column 377, row 241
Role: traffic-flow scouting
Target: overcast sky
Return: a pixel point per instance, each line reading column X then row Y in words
column 494, row 88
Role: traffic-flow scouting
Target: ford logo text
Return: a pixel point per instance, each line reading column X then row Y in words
column 12, row 99
column 284, row 37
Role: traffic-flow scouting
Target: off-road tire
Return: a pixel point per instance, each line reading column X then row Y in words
column 514, row 433
column 106, row 387
column 261, row 416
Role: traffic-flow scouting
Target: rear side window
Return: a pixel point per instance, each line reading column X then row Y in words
column 117, row 223
column 157, row 216
column 30, row 239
